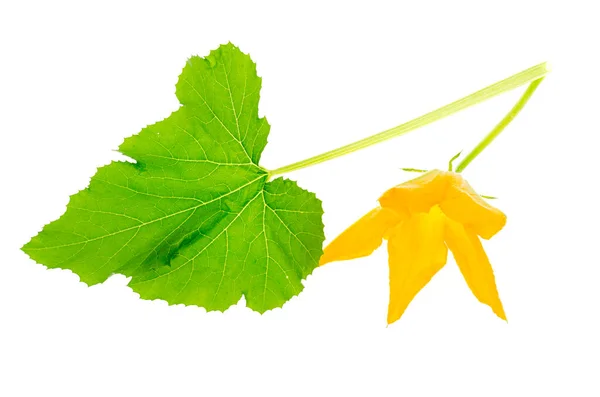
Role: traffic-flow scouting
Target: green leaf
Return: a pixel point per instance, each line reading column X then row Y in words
column 194, row 220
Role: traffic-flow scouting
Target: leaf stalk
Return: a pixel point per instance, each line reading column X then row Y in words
column 533, row 74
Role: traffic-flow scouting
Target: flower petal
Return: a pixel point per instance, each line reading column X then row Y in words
column 416, row 195
column 474, row 264
column 362, row 238
column 465, row 206
column 416, row 253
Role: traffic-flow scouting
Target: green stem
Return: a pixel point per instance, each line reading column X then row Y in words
column 500, row 126
column 517, row 80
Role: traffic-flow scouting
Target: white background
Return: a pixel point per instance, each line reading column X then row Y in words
column 76, row 78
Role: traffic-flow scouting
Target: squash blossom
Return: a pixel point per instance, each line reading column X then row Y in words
column 421, row 219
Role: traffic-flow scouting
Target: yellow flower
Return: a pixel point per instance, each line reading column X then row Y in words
column 422, row 219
